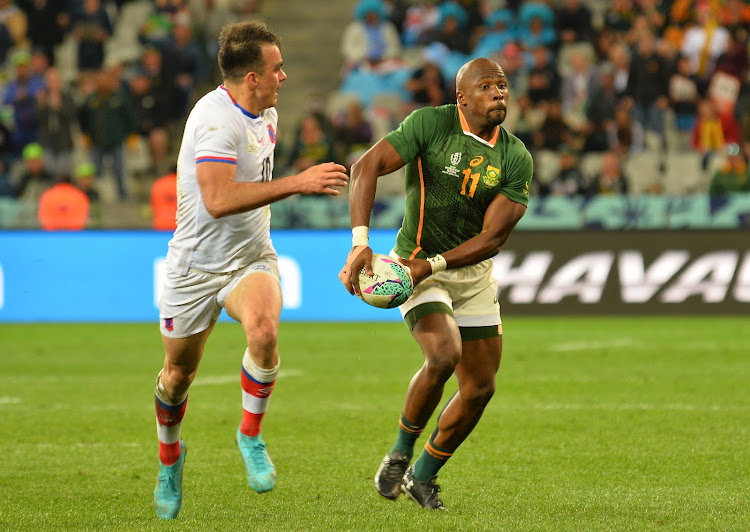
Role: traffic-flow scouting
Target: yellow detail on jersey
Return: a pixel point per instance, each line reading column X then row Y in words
column 476, row 161
column 492, row 178
column 474, row 180
column 526, row 188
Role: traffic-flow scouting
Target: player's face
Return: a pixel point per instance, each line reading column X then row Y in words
column 487, row 96
column 273, row 75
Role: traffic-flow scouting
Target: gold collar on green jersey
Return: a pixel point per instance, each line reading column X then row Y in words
column 467, row 130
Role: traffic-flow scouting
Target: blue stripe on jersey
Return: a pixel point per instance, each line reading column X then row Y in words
column 215, row 160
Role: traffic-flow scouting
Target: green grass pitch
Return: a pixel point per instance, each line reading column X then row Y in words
column 597, row 424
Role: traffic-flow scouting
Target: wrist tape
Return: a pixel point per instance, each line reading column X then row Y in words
column 360, row 236
column 437, row 263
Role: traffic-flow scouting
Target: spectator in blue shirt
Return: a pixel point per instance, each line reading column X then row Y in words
column 371, row 39
column 536, row 25
column 21, row 94
column 500, row 31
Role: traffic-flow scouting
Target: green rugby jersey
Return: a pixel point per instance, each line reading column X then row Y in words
column 452, row 176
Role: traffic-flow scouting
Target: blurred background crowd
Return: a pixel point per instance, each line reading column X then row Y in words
column 627, row 98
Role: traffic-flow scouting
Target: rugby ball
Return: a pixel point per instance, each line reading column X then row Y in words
column 390, row 284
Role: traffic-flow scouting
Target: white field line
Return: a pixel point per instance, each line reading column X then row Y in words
column 235, row 378
column 572, row 379
column 204, row 381
column 9, row 400
column 679, row 407
column 622, row 343
column 220, row 379
column 601, row 344
column 87, row 445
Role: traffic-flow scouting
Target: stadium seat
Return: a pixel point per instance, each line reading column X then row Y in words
column 391, row 102
column 642, row 171
column 684, row 174
column 546, row 165
column 9, row 209
column 66, row 60
column 413, row 56
column 382, row 121
column 338, row 102
column 590, row 164
column 563, row 62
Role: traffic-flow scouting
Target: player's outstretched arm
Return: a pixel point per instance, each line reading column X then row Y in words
column 499, row 220
column 222, row 195
column 379, row 160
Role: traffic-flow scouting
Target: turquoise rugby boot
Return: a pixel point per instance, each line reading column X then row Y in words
column 261, row 474
column 168, row 491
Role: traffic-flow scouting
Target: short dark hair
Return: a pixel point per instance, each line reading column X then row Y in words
column 240, row 48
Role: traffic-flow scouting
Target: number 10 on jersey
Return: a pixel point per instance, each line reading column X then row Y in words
column 265, row 172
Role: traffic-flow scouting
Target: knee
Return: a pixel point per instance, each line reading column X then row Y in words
column 262, row 337
column 177, row 379
column 479, row 394
column 442, row 365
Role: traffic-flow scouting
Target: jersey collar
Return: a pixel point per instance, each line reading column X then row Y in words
column 244, row 111
column 467, row 130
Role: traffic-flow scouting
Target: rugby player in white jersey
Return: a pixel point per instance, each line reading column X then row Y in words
column 221, row 255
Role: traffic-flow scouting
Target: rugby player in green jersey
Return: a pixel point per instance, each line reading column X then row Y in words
column 467, row 185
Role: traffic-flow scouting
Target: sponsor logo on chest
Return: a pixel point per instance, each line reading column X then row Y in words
column 255, row 143
column 252, row 143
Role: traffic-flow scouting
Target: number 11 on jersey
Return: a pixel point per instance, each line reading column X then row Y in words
column 474, row 180
column 476, row 161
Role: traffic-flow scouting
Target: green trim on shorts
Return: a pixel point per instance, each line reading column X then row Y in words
column 469, row 334
column 420, row 311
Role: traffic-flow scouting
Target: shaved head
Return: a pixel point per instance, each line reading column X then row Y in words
column 482, row 95
column 475, row 70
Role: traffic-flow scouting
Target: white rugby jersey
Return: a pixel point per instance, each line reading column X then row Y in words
column 220, row 130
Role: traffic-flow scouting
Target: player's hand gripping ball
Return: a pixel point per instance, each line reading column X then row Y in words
column 389, row 286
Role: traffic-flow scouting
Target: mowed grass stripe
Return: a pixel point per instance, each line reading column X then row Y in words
column 597, row 424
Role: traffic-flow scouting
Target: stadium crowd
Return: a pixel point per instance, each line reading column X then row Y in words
column 629, row 96
column 95, row 88
column 623, row 97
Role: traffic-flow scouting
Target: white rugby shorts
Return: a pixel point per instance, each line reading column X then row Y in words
column 190, row 303
column 470, row 291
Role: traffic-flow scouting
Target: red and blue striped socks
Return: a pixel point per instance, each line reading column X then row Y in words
column 169, row 415
column 257, row 385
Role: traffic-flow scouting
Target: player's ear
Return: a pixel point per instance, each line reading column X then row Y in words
column 251, row 78
column 460, row 98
